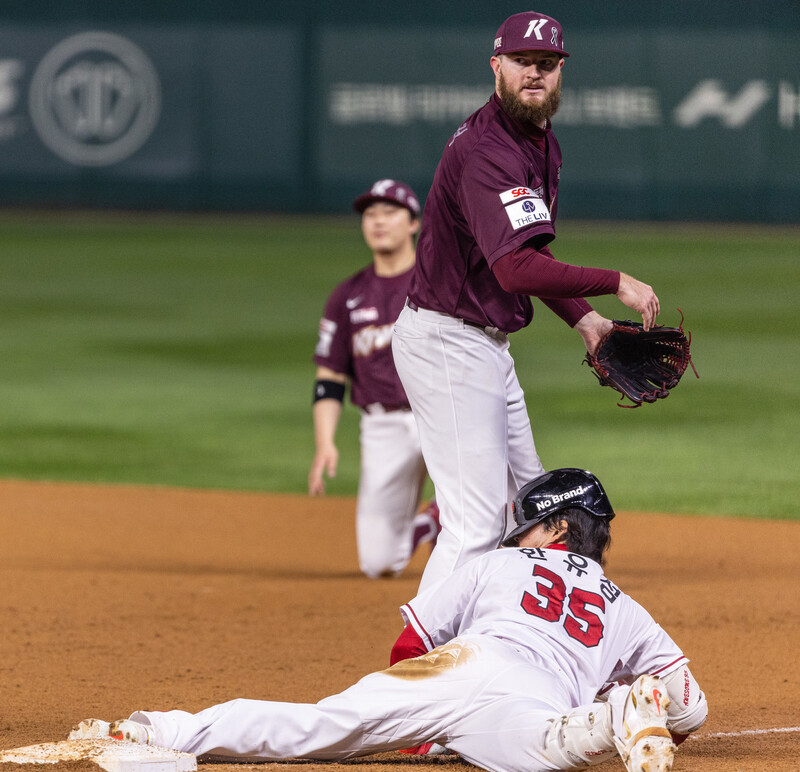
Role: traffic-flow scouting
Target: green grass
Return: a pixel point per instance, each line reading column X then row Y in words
column 177, row 351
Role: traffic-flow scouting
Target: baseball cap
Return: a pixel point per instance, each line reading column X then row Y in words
column 529, row 31
column 392, row 191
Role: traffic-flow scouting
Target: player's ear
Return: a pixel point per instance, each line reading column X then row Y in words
column 414, row 226
column 560, row 531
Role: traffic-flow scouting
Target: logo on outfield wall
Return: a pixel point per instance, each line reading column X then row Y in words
column 94, row 99
column 617, row 106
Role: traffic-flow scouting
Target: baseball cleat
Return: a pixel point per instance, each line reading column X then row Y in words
column 124, row 730
column 647, row 744
column 426, row 526
column 428, row 749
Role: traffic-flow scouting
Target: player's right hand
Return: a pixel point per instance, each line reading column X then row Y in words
column 640, row 297
column 325, row 462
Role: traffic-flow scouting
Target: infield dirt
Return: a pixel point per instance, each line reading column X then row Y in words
column 118, row 598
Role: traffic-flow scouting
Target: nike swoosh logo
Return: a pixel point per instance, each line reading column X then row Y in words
column 351, row 303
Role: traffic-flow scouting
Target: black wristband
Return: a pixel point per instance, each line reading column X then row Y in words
column 328, row 390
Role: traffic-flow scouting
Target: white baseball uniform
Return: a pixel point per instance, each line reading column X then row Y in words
column 518, row 638
column 389, row 489
column 474, row 428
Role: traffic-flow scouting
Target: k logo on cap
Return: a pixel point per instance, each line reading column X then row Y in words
column 392, row 191
column 529, row 31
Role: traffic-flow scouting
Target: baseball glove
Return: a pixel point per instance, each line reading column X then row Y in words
column 642, row 365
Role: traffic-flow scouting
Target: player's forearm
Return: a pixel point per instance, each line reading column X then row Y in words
column 329, row 389
column 571, row 310
column 688, row 707
column 528, row 271
column 326, row 414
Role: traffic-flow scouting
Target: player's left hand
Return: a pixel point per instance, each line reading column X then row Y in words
column 325, row 462
column 593, row 328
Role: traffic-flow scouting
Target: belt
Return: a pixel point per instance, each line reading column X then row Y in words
column 414, row 307
column 486, row 328
column 376, row 408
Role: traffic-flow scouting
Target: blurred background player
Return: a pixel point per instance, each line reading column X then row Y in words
column 355, row 345
column 513, row 648
column 482, row 252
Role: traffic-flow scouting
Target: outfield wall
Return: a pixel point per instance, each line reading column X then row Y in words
column 670, row 111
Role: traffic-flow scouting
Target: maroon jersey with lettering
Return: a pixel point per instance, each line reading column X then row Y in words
column 355, row 335
column 495, row 188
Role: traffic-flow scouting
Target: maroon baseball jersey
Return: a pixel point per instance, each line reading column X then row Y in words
column 495, row 188
column 355, row 336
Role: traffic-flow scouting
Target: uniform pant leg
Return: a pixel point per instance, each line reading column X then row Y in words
column 457, row 379
column 504, row 725
column 475, row 696
column 411, row 703
column 523, row 459
column 257, row 729
column 392, row 474
column 513, row 742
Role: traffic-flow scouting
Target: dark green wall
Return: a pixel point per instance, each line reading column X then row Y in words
column 682, row 110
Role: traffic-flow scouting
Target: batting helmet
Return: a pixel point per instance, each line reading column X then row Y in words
column 554, row 491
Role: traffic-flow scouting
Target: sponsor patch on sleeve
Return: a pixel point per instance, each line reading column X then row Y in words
column 507, row 196
column 327, row 329
column 527, row 212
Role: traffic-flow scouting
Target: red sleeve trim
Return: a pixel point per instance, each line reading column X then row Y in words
column 671, row 665
column 407, row 646
column 418, row 626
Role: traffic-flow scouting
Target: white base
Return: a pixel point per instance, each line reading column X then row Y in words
column 109, row 754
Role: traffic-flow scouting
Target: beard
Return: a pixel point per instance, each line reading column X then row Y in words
column 529, row 114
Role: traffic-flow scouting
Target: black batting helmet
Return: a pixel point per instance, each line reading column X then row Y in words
column 554, row 491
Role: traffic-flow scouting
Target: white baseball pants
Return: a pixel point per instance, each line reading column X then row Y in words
column 392, row 475
column 476, row 696
column 474, row 429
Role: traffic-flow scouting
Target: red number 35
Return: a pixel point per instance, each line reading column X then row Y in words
column 583, row 625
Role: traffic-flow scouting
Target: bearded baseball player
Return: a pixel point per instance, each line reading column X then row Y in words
column 482, row 251
column 355, row 345
column 499, row 663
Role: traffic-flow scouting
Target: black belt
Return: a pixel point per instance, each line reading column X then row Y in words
column 414, row 307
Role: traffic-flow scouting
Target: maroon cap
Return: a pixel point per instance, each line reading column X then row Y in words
column 529, row 31
column 392, row 191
